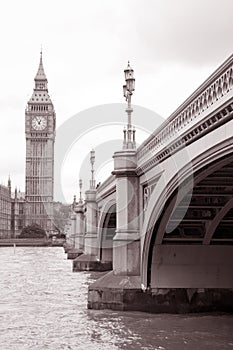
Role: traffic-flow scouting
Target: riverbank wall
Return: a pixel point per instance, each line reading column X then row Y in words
column 26, row 242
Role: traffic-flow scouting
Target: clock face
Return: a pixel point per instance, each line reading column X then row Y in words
column 39, row 123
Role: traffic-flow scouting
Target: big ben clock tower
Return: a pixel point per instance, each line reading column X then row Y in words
column 40, row 119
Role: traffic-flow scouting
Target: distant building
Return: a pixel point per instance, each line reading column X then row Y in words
column 13, row 214
column 17, row 213
column 5, row 210
column 12, row 211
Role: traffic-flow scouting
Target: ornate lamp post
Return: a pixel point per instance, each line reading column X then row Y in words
column 128, row 88
column 80, row 191
column 92, row 160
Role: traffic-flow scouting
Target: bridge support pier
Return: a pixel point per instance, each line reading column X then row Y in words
column 89, row 260
column 77, row 250
column 117, row 293
column 70, row 244
column 119, row 288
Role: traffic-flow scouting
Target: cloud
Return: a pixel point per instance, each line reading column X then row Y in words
column 193, row 32
column 173, row 45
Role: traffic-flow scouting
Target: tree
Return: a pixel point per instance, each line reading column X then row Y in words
column 61, row 213
column 33, row 231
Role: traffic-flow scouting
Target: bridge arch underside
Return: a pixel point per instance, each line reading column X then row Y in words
column 107, row 232
column 191, row 248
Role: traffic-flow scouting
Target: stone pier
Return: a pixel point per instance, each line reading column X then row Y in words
column 89, row 260
column 121, row 287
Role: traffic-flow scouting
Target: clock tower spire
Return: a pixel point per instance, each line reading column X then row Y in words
column 40, row 77
column 40, row 123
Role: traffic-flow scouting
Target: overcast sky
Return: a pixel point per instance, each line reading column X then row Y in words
column 173, row 46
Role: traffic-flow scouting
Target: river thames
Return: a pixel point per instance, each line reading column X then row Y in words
column 43, row 306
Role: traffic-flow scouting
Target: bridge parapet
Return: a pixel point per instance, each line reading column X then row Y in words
column 106, row 188
column 191, row 115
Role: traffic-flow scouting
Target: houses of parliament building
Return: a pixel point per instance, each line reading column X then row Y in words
column 35, row 206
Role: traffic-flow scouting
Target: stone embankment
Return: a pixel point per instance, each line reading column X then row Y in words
column 26, row 242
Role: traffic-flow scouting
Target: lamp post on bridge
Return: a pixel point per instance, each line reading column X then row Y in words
column 128, row 88
column 79, row 234
column 80, row 191
column 92, row 161
column 126, row 242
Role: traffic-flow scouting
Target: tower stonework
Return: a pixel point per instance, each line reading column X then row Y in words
column 40, row 124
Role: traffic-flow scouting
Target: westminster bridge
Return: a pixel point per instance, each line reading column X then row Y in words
column 162, row 223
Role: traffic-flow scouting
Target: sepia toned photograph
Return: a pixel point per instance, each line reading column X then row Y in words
column 116, row 176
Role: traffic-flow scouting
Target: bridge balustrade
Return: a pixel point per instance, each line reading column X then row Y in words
column 214, row 89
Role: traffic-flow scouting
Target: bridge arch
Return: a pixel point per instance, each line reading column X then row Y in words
column 106, row 230
column 207, row 168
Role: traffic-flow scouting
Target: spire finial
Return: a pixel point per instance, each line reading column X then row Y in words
column 9, row 181
column 74, row 201
column 41, row 54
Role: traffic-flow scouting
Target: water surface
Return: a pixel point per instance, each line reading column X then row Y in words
column 43, row 306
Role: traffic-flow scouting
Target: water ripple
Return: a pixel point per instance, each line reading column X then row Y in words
column 43, row 306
